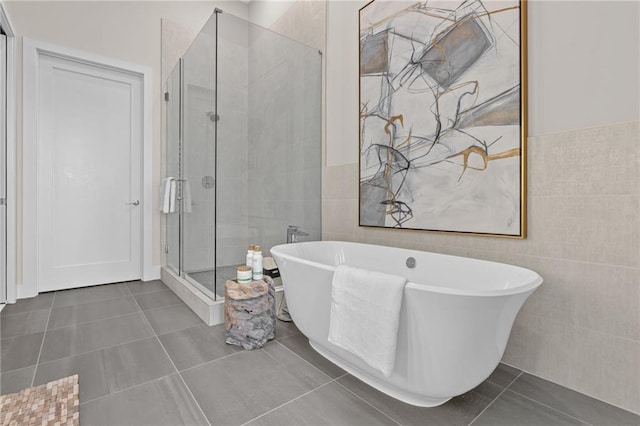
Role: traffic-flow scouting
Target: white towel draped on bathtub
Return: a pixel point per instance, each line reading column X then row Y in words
column 365, row 313
column 168, row 195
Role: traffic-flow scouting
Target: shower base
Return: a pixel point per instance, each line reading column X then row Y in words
column 209, row 278
column 202, row 304
column 220, row 275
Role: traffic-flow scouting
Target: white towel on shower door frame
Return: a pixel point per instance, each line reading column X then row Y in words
column 365, row 314
column 168, row 195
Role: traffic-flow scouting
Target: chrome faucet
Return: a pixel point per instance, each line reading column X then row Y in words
column 293, row 232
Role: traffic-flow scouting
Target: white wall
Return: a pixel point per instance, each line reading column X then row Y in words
column 266, row 12
column 126, row 31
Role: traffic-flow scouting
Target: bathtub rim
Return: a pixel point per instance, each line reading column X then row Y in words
column 525, row 287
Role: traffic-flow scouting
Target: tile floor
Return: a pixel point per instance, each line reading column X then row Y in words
column 145, row 359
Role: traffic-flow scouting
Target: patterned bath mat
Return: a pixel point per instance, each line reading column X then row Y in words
column 55, row 403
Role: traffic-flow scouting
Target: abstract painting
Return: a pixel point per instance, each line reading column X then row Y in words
column 442, row 116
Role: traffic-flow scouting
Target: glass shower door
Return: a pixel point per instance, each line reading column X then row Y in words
column 3, row 169
column 248, row 160
column 173, row 168
column 198, row 185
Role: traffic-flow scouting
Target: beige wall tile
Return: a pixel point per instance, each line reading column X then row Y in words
column 340, row 182
column 595, row 296
column 338, row 216
column 313, row 14
column 600, row 229
column 582, row 327
column 597, row 161
column 598, row 364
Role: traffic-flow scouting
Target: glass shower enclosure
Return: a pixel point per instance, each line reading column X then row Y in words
column 244, row 144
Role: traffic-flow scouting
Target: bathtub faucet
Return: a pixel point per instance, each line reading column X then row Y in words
column 293, row 233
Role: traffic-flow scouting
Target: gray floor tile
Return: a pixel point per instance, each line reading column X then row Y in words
column 504, row 375
column 172, row 318
column 458, row 411
column 92, row 311
column 110, row 370
column 23, row 323
column 16, row 380
column 42, row 301
column 77, row 296
column 19, row 352
column 285, row 329
column 250, row 383
column 299, row 344
column 165, row 401
column 329, row 405
column 197, row 345
column 137, row 287
column 89, row 336
column 570, row 402
column 157, row 299
column 511, row 409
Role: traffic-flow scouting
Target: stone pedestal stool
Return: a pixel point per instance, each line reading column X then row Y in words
column 250, row 313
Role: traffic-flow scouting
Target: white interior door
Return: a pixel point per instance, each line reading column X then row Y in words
column 89, row 148
column 3, row 168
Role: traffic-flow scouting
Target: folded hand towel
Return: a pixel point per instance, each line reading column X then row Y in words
column 167, row 195
column 365, row 313
column 173, row 193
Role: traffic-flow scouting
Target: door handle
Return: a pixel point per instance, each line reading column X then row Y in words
column 134, row 203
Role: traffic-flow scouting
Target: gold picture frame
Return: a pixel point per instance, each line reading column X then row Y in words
column 443, row 117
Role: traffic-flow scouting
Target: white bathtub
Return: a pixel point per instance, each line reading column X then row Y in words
column 455, row 320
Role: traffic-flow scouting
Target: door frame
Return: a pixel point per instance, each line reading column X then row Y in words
column 7, row 26
column 32, row 50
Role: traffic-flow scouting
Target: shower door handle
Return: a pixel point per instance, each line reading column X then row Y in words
column 134, row 203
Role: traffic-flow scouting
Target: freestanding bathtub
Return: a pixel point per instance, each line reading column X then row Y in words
column 455, row 319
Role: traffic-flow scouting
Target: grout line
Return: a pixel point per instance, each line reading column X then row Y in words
column 94, row 320
column 180, row 329
column 583, row 328
column 112, row 297
column 494, row 399
column 513, row 381
column 95, row 350
column 572, row 390
column 35, row 370
column 157, row 290
column 180, row 302
column 530, row 399
column 100, row 320
column 365, row 401
column 332, row 380
column 20, row 313
column 299, row 356
column 551, row 408
column 157, row 379
column 287, row 403
column 212, row 361
column 204, row 416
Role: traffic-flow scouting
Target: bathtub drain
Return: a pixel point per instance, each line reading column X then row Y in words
column 411, row 262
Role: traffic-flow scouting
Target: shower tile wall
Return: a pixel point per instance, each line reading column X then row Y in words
column 232, row 156
column 285, row 138
column 581, row 328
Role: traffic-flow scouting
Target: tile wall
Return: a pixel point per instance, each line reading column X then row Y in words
column 285, row 130
column 581, row 328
